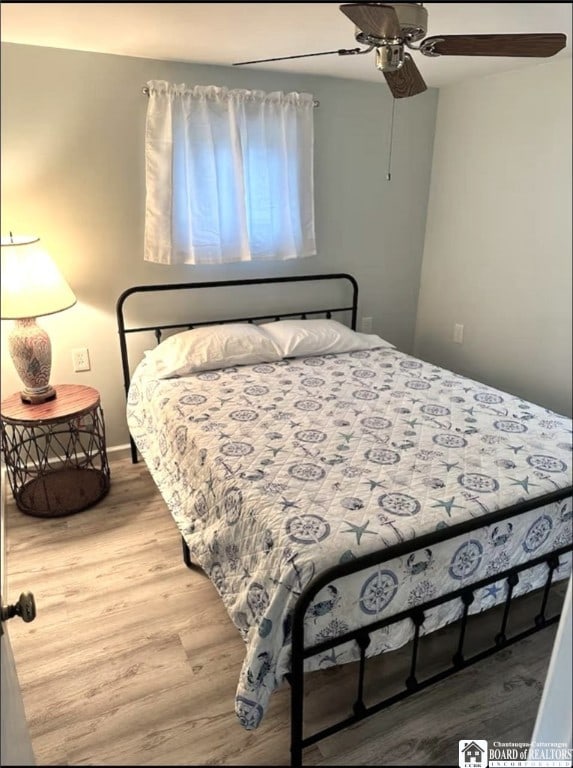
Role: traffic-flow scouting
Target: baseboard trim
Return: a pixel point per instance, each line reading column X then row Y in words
column 118, row 452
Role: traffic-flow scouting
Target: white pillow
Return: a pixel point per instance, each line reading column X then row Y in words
column 300, row 338
column 211, row 347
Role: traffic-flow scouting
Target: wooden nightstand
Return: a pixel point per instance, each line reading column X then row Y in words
column 55, row 452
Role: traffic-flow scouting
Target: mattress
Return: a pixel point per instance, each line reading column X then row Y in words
column 275, row 472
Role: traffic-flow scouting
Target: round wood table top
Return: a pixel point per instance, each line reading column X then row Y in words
column 71, row 400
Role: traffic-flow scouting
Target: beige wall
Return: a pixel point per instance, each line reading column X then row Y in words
column 73, row 174
column 497, row 255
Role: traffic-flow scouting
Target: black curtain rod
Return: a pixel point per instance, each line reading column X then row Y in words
column 145, row 91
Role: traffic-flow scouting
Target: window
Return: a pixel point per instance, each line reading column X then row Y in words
column 229, row 175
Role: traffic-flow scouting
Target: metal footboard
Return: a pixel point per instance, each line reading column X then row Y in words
column 416, row 614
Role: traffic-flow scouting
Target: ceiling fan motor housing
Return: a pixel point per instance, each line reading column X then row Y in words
column 413, row 21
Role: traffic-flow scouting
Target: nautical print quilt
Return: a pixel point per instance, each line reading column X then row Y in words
column 275, row 472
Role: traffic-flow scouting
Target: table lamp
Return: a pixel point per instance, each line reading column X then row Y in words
column 31, row 286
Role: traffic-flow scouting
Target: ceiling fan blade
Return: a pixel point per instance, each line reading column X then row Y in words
column 374, row 19
column 406, row 81
column 340, row 52
column 540, row 45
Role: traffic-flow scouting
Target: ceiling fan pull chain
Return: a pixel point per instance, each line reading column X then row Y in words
column 389, row 172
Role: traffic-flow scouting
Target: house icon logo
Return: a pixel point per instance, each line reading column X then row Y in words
column 473, row 754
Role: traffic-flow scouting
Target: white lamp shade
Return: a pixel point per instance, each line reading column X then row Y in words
column 32, row 284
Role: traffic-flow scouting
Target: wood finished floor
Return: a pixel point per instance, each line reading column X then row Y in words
column 132, row 659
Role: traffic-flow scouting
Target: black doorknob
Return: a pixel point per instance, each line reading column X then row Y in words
column 25, row 608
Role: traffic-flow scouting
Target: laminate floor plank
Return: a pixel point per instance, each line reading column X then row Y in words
column 133, row 660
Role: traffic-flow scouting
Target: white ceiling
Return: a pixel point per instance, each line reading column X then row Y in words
column 223, row 33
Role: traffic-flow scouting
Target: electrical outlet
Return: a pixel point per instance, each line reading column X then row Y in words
column 366, row 325
column 458, row 333
column 81, row 359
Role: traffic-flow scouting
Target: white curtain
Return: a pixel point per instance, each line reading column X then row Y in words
column 229, row 175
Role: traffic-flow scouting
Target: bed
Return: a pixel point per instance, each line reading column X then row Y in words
column 348, row 498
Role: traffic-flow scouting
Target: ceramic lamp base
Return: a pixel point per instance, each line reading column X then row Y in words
column 31, row 352
column 35, row 398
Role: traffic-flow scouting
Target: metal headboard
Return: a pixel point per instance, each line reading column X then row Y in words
column 158, row 328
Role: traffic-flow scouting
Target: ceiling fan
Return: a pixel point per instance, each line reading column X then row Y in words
column 390, row 28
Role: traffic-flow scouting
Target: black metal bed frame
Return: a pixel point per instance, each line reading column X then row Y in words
column 415, row 614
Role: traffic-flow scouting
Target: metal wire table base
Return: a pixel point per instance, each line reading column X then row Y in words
column 57, row 467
